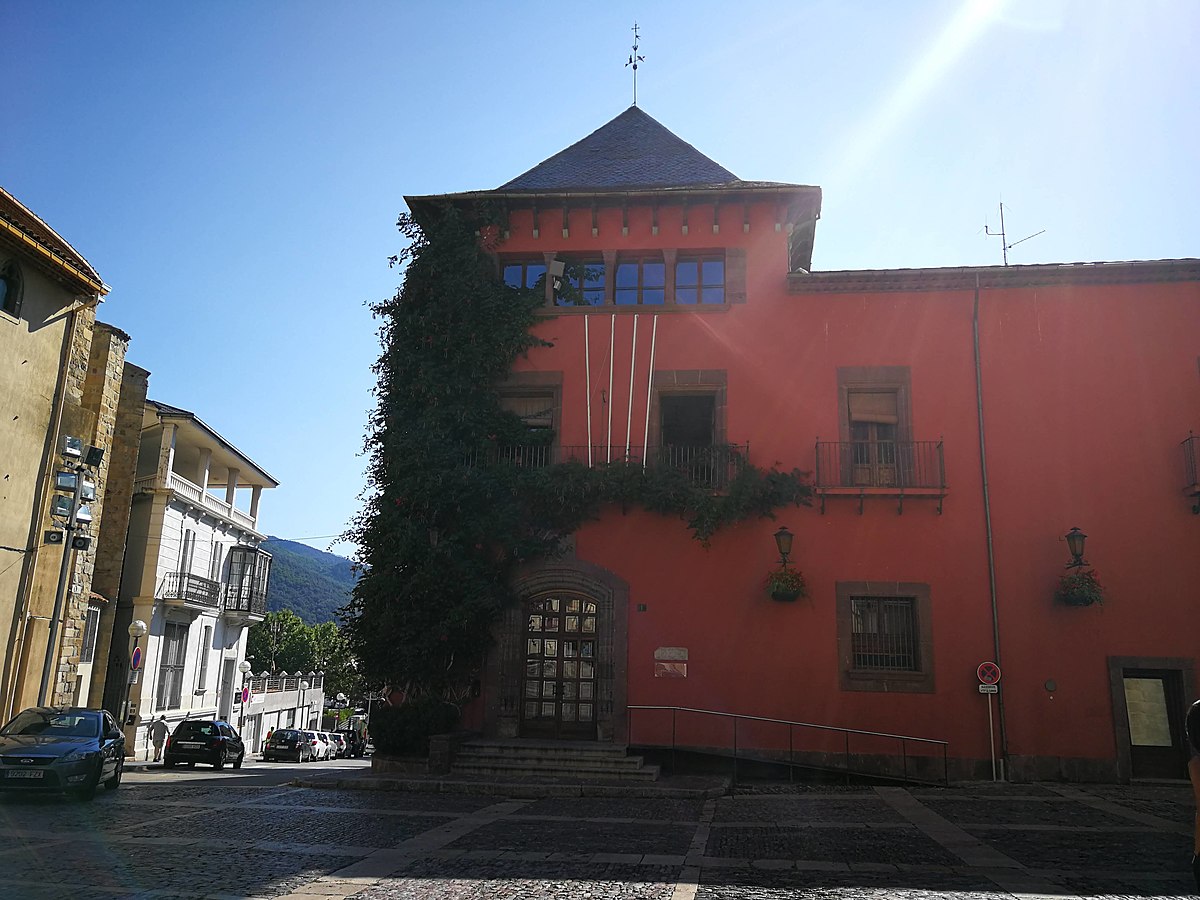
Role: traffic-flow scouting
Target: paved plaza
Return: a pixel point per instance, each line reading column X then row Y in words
column 245, row 834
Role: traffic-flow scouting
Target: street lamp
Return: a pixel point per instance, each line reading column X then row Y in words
column 137, row 630
column 244, row 667
column 1075, row 539
column 783, row 543
column 303, row 711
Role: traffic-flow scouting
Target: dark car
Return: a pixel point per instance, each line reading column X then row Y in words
column 287, row 743
column 204, row 741
column 61, row 749
column 356, row 746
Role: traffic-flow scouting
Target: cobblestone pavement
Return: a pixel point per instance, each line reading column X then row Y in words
column 212, row 837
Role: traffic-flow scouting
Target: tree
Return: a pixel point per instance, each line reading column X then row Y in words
column 281, row 642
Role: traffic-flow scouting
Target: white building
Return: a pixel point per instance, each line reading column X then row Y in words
column 194, row 573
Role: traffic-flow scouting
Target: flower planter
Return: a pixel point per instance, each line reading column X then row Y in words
column 786, row 596
column 1079, row 589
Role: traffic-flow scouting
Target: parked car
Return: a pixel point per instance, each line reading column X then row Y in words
column 315, row 745
column 288, row 743
column 338, row 741
column 205, row 741
column 68, row 749
column 356, row 746
column 323, row 743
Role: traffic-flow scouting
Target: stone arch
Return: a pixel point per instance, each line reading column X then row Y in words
column 505, row 664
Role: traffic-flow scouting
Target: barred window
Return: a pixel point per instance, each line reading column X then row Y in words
column 884, row 634
column 91, row 628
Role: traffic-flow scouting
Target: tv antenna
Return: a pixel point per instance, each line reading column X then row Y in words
column 634, row 59
column 1004, row 238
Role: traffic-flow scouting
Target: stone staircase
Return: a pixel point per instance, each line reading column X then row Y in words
column 551, row 760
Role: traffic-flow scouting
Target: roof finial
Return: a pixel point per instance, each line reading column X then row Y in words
column 634, row 59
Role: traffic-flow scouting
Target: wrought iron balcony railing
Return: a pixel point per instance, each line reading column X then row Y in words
column 880, row 464
column 190, row 589
column 710, row 467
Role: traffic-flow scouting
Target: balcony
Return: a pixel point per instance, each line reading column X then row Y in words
column 708, row 467
column 186, row 591
column 1191, row 479
column 894, row 469
column 203, row 499
column 245, row 600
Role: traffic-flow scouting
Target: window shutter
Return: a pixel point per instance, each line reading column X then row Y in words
column 874, row 406
column 735, row 275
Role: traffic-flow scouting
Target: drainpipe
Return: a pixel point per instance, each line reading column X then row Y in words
column 987, row 517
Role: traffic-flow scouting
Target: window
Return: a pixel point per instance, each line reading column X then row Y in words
column 884, row 633
column 170, row 669
column 700, row 279
column 10, row 289
column 91, row 629
column 641, row 281
column 525, row 273
column 205, row 643
column 873, row 419
column 688, row 420
column 218, row 558
column 885, row 636
column 537, row 407
column 582, row 283
column 186, row 550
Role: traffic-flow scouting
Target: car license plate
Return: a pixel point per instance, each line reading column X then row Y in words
column 191, row 745
column 25, row 773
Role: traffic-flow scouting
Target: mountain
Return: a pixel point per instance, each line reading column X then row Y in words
column 311, row 583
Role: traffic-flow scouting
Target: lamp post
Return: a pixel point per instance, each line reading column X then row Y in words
column 244, row 667
column 137, row 630
column 303, row 711
column 783, row 543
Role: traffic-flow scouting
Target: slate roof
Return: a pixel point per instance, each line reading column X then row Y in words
column 633, row 151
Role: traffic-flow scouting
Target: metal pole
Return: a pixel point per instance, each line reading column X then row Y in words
column 60, row 595
column 129, row 687
column 735, row 781
column 991, row 738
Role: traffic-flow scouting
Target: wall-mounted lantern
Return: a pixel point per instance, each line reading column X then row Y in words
column 1075, row 540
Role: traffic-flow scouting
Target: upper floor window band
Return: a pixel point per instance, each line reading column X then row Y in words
column 700, row 279
column 641, row 282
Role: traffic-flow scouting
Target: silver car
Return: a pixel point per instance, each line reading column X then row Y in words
column 68, row 749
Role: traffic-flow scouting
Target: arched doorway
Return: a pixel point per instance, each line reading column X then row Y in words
column 557, row 671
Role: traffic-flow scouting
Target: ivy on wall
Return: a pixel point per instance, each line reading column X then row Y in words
column 443, row 524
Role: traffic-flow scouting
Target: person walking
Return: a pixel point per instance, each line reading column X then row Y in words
column 158, row 735
column 1192, row 726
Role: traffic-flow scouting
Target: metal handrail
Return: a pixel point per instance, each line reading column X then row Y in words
column 846, row 732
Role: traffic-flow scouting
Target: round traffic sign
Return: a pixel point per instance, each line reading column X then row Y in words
column 245, row 695
column 135, row 661
column 988, row 672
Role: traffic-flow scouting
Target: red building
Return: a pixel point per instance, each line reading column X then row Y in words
column 958, row 423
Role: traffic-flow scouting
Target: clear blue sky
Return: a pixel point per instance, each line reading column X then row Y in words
column 234, row 170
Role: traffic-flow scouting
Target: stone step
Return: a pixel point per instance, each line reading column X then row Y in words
column 550, row 750
column 582, row 772
column 533, row 760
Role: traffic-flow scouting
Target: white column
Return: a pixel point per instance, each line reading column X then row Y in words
column 205, row 468
column 255, row 496
column 166, row 452
column 231, row 484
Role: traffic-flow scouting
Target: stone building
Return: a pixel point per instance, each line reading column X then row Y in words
column 62, row 373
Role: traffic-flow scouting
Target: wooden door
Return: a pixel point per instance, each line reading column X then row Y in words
column 559, row 688
column 1154, row 704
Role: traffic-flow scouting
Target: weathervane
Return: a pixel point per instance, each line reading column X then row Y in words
column 634, row 59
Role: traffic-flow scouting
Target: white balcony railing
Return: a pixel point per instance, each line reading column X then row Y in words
column 193, row 492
